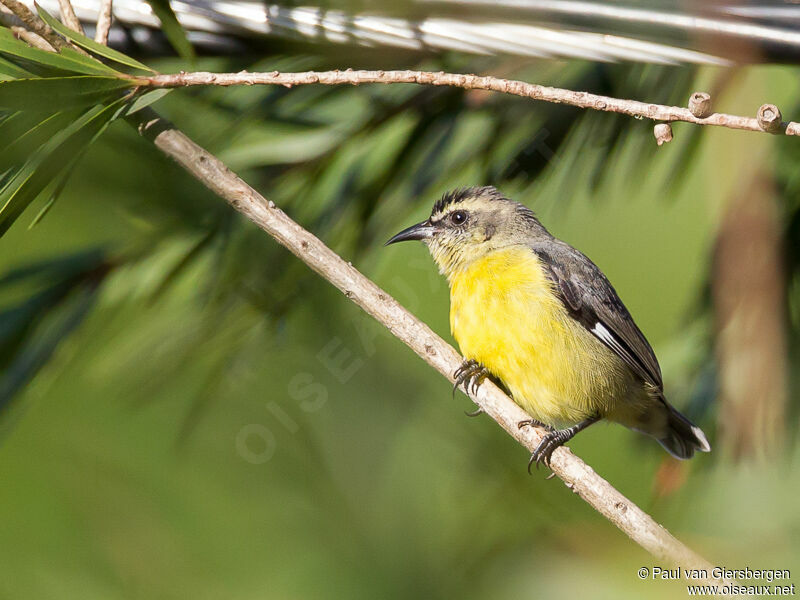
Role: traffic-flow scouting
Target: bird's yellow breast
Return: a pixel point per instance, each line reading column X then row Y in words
column 504, row 314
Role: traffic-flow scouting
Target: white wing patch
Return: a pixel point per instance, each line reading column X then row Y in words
column 605, row 336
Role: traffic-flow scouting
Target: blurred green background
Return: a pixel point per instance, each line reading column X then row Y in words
column 189, row 412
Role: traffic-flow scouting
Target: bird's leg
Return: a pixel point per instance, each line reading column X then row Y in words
column 470, row 374
column 556, row 438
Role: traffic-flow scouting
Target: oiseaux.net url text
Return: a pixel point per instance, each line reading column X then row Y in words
column 732, row 582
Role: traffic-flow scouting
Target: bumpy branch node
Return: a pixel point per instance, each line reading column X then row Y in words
column 663, row 133
column 769, row 118
column 700, row 104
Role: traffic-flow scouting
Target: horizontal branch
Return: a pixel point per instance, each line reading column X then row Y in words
column 633, row 108
column 576, row 474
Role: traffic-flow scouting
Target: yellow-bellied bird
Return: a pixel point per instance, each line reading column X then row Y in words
column 541, row 319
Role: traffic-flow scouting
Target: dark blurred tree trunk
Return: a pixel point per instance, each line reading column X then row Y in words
column 750, row 317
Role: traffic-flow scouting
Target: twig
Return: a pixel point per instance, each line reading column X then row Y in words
column 578, row 476
column 35, row 24
column 633, row 108
column 103, row 22
column 31, row 38
column 68, row 16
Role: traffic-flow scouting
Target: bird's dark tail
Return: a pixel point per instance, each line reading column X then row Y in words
column 683, row 437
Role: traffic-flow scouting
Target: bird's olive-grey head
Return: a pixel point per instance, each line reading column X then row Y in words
column 469, row 223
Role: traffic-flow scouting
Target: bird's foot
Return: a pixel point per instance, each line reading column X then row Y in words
column 551, row 441
column 555, row 438
column 533, row 423
column 470, row 375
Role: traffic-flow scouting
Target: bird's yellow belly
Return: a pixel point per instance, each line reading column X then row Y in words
column 505, row 315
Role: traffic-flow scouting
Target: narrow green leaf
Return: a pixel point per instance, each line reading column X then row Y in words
column 90, row 45
column 42, row 62
column 57, row 93
column 9, row 70
column 172, row 28
column 145, row 100
column 91, row 65
column 51, row 159
column 26, row 131
column 14, row 127
column 6, row 176
column 61, row 183
column 50, row 201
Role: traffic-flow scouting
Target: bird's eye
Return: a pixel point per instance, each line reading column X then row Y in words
column 458, row 217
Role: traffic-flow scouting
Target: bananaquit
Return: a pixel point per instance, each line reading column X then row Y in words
column 539, row 318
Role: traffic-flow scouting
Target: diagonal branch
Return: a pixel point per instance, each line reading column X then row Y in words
column 633, row 108
column 576, row 474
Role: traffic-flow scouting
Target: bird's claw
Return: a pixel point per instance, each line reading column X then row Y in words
column 470, row 375
column 544, row 451
column 555, row 438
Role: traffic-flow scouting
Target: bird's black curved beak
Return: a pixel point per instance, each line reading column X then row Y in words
column 420, row 231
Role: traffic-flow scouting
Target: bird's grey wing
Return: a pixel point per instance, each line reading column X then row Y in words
column 591, row 300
